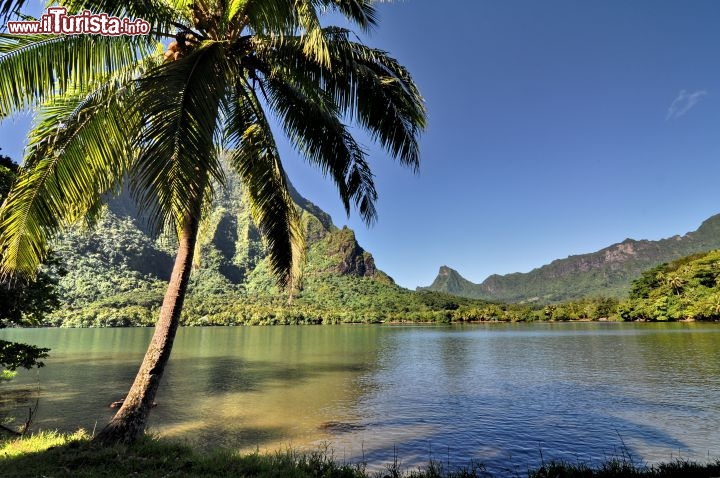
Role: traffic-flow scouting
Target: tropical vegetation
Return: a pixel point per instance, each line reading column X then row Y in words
column 685, row 289
column 112, row 109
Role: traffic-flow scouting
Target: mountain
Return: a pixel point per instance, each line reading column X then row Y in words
column 449, row 280
column 607, row 272
column 118, row 269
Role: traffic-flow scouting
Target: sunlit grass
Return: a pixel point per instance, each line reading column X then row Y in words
column 39, row 442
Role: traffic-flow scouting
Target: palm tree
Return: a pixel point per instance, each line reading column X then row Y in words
column 115, row 109
column 674, row 281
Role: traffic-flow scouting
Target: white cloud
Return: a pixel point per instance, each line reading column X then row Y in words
column 684, row 103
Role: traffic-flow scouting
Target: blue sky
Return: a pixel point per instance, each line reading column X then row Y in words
column 556, row 127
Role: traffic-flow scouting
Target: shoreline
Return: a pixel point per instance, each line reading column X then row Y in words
column 393, row 323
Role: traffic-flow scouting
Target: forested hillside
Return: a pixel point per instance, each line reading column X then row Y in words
column 608, row 272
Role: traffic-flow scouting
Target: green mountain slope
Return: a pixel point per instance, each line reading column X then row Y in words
column 606, row 272
column 117, row 272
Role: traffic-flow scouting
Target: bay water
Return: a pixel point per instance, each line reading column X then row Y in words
column 506, row 395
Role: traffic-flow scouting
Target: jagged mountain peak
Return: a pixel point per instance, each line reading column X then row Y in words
column 446, row 270
column 450, row 281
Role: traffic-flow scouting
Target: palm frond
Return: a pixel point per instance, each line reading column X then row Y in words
column 179, row 103
column 271, row 17
column 255, row 158
column 387, row 102
column 35, row 68
column 313, row 38
column 281, row 19
column 361, row 12
column 379, row 92
column 78, row 151
column 367, row 84
column 310, row 119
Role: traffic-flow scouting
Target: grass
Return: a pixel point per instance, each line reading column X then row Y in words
column 622, row 468
column 51, row 454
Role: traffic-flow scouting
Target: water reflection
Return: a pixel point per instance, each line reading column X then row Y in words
column 502, row 394
column 571, row 391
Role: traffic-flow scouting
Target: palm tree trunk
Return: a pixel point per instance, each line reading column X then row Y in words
column 129, row 422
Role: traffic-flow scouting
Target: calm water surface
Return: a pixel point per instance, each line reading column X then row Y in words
column 500, row 394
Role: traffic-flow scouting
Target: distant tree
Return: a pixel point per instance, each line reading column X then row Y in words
column 550, row 311
column 648, row 280
column 8, row 172
column 686, row 288
column 675, row 281
column 605, row 307
column 25, row 301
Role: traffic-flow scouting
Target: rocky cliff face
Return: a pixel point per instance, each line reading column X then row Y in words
column 243, row 246
column 606, row 272
column 353, row 259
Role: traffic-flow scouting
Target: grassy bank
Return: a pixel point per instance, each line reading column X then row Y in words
column 50, row 454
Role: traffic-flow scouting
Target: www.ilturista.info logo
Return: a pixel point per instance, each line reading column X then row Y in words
column 57, row 21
